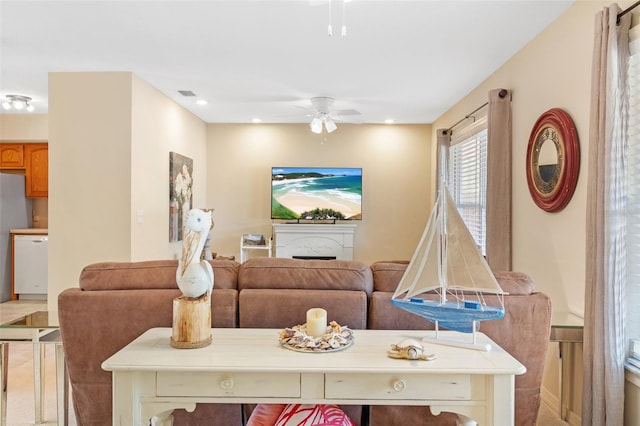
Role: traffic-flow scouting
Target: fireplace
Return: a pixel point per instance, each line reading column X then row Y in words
column 314, row 241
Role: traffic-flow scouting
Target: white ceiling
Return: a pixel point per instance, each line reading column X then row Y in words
column 405, row 60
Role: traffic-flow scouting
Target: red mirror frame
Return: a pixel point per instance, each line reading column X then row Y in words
column 559, row 124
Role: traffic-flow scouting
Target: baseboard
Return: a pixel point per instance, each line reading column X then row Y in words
column 574, row 419
column 551, row 401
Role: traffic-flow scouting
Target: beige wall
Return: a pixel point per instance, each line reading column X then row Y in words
column 159, row 126
column 89, row 173
column 395, row 167
column 109, row 140
column 554, row 70
column 24, row 127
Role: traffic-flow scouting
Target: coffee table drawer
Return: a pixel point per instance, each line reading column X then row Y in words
column 228, row 384
column 392, row 386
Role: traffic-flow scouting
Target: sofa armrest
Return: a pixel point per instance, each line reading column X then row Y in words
column 149, row 274
column 96, row 324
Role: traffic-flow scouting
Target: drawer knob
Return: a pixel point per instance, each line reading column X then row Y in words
column 399, row 385
column 226, row 384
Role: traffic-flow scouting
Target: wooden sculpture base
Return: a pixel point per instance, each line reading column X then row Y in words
column 191, row 322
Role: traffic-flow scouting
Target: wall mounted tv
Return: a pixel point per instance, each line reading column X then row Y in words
column 315, row 193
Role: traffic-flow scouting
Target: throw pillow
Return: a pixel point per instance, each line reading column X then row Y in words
column 313, row 415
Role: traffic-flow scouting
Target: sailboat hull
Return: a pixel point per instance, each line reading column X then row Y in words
column 450, row 315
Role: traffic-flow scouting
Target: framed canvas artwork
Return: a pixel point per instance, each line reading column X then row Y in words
column 180, row 193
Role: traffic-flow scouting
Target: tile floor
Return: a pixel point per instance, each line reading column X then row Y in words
column 20, row 385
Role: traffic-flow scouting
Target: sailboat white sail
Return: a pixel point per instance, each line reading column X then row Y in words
column 448, row 261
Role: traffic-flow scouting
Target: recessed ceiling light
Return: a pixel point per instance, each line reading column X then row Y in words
column 256, row 120
column 201, row 102
column 389, row 121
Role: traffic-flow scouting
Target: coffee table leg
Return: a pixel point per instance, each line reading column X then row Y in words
column 62, row 386
column 4, row 363
column 38, row 380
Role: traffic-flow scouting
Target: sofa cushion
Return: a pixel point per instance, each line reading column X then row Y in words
column 402, row 415
column 283, row 273
column 269, row 308
column 387, row 275
column 149, row 274
column 277, row 292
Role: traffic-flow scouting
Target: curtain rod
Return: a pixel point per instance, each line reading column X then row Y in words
column 627, row 10
column 502, row 94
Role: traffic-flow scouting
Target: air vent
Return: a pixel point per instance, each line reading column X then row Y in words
column 186, row 93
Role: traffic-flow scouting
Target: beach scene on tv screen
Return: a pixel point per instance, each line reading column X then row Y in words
column 316, row 193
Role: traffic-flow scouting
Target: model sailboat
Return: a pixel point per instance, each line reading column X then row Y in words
column 448, row 262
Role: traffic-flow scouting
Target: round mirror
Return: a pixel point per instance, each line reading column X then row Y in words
column 553, row 160
column 548, row 161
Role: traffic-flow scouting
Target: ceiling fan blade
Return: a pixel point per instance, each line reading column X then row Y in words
column 308, row 111
column 347, row 112
column 351, row 119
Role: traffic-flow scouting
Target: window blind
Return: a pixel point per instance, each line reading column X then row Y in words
column 632, row 243
column 467, row 178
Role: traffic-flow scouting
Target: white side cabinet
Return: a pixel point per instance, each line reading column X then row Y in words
column 246, row 245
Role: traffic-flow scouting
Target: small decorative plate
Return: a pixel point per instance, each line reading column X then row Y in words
column 336, row 339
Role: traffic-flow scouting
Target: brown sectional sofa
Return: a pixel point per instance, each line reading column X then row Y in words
column 116, row 302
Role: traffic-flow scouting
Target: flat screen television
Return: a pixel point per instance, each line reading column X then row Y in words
column 315, row 193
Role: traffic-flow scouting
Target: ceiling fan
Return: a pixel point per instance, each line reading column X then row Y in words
column 324, row 115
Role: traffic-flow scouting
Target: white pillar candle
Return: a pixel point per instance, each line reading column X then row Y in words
column 316, row 322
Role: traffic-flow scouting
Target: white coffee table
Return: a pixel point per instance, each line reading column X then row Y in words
column 151, row 379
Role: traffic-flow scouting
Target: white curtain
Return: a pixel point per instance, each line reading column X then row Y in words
column 603, row 387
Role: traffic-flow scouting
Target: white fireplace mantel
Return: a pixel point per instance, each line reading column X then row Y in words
column 314, row 240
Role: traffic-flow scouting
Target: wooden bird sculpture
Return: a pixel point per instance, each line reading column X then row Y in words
column 194, row 274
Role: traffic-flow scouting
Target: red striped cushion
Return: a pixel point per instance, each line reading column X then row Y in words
column 313, row 415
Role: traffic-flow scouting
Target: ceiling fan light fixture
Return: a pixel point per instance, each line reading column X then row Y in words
column 316, row 125
column 330, row 125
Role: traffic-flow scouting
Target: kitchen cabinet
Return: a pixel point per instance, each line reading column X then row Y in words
column 11, row 156
column 30, row 160
column 36, row 158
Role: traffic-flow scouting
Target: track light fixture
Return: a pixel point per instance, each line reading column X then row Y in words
column 17, row 102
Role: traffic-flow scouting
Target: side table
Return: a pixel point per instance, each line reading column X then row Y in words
column 567, row 330
column 244, row 246
column 37, row 328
